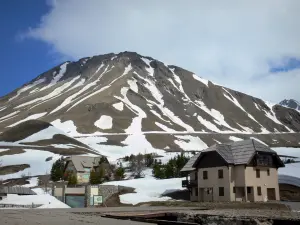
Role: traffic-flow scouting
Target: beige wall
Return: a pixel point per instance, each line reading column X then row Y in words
column 58, row 191
column 214, row 182
column 72, row 190
column 235, row 176
column 264, row 181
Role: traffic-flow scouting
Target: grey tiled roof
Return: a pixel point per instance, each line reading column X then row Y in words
column 237, row 153
column 81, row 162
column 189, row 165
column 17, row 190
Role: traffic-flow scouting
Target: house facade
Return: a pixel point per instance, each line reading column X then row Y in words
column 82, row 166
column 239, row 171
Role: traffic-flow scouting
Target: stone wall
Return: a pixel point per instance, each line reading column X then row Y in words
column 107, row 191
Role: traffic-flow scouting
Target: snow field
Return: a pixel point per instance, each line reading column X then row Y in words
column 35, row 158
column 46, row 200
column 143, row 192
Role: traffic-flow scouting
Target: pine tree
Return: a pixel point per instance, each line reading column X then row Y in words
column 72, row 179
column 119, row 173
column 57, row 170
column 97, row 177
column 93, row 177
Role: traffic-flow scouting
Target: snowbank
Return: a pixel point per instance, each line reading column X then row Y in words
column 46, row 200
column 292, row 169
column 33, row 182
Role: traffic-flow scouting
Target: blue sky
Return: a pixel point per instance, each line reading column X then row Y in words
column 230, row 43
column 21, row 61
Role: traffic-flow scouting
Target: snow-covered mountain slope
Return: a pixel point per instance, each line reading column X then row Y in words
column 127, row 103
column 291, row 103
column 31, row 147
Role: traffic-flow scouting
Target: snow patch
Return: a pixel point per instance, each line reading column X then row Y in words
column 44, row 134
column 149, row 69
column 133, row 86
column 33, row 182
column 105, row 122
column 119, row 106
column 190, row 143
column 27, row 88
column 163, row 127
column 218, row 117
column 69, row 100
column 208, row 124
column 256, row 139
column 247, row 129
column 271, row 115
column 159, row 97
column 32, row 117
column 233, row 138
column 204, row 81
column 56, row 78
column 54, row 94
column 8, row 116
column 126, row 71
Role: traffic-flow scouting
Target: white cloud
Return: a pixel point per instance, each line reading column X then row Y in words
column 229, row 42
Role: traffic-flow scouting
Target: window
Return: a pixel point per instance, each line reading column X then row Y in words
column 196, row 176
column 205, row 175
column 264, row 160
column 87, row 170
column 196, row 191
column 248, row 190
column 233, row 189
column 220, row 173
column 259, row 191
column 221, row 191
column 268, row 172
column 257, row 173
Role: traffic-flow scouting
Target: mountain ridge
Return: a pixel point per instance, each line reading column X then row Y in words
column 121, row 97
column 290, row 103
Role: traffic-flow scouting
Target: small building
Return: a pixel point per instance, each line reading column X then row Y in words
column 238, row 171
column 4, row 191
column 82, row 166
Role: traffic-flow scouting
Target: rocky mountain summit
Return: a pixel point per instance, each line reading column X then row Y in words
column 127, row 103
column 291, row 103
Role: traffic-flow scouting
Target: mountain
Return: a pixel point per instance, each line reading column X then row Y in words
column 126, row 103
column 291, row 103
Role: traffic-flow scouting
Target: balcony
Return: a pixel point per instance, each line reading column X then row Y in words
column 189, row 183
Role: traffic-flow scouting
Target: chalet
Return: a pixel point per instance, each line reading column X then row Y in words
column 238, row 171
column 82, row 166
